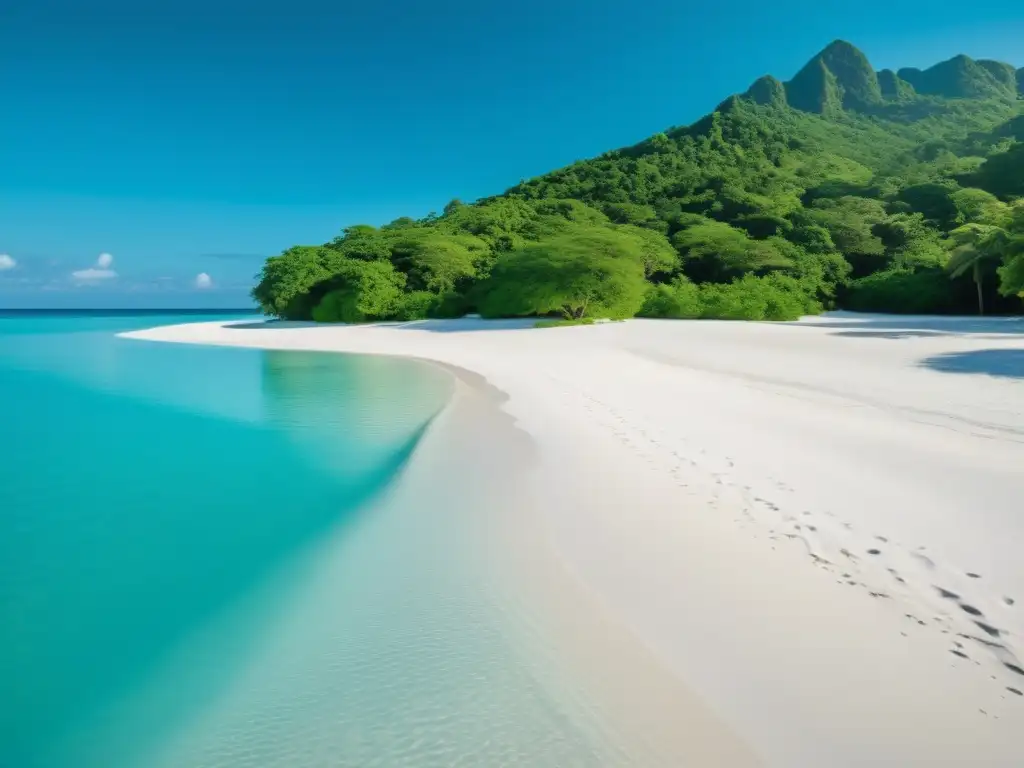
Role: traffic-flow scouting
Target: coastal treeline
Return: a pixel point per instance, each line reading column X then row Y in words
column 842, row 188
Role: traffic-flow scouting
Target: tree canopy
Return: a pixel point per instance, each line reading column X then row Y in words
column 586, row 272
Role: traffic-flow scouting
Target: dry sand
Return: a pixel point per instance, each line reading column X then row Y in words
column 815, row 527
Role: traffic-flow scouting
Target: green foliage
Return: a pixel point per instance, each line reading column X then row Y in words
column 586, row 273
column 976, row 206
column 840, row 188
column 652, row 248
column 909, row 241
column 360, row 291
column 774, row 297
column 415, row 305
column 767, row 91
column 974, row 247
column 563, row 322
column 436, row 261
column 1003, row 173
column 631, row 213
column 679, row 299
column 933, row 200
column 717, row 251
column 1011, row 277
column 820, row 272
column 286, row 282
column 849, row 222
column 363, row 242
column 903, row 291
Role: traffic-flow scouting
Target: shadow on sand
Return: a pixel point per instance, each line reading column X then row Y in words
column 907, row 334
column 1003, row 363
column 857, row 325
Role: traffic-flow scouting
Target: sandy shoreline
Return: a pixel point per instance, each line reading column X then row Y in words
column 772, row 511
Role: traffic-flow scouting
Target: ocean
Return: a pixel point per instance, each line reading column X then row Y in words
column 148, row 490
column 238, row 557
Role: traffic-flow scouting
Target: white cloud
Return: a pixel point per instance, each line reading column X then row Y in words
column 91, row 274
column 203, row 281
column 101, row 271
column 6, row 262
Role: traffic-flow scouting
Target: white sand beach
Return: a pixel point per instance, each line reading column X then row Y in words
column 803, row 541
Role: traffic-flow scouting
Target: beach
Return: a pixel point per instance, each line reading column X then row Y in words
column 779, row 544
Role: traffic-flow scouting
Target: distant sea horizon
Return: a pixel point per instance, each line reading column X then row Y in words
column 123, row 311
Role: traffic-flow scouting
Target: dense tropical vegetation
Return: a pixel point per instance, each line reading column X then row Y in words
column 844, row 187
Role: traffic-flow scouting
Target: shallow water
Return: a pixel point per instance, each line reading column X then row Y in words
column 148, row 490
column 234, row 557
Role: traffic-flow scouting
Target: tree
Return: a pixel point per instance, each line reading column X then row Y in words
column 976, row 206
column 631, row 213
column 1011, row 274
column 909, row 241
column 360, row 291
column 287, row 281
column 933, row 200
column 364, row 242
column 974, row 246
column 849, row 222
column 716, row 251
column 438, row 262
column 592, row 272
column 1003, row 173
column 655, row 251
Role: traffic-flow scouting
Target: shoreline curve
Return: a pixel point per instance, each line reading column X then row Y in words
column 700, row 483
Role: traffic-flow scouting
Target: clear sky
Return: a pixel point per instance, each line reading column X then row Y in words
column 186, row 138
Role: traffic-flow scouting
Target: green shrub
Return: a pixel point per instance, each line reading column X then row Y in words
column 416, row 305
column 563, row 322
column 775, row 297
column 360, row 291
column 678, row 299
column 341, row 306
column 903, row 291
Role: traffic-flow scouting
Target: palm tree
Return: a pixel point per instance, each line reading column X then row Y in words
column 974, row 246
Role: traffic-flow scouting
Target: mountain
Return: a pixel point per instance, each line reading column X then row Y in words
column 767, row 90
column 841, row 77
column 963, row 78
column 838, row 77
column 841, row 187
column 892, row 87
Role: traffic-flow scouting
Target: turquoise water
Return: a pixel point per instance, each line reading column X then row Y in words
column 157, row 504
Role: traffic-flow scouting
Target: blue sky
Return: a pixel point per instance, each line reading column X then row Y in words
column 200, row 137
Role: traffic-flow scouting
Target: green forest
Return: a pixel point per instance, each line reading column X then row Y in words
column 842, row 188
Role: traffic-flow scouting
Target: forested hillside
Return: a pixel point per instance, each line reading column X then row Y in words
column 842, row 187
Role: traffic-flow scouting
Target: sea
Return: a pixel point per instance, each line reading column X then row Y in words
column 221, row 557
